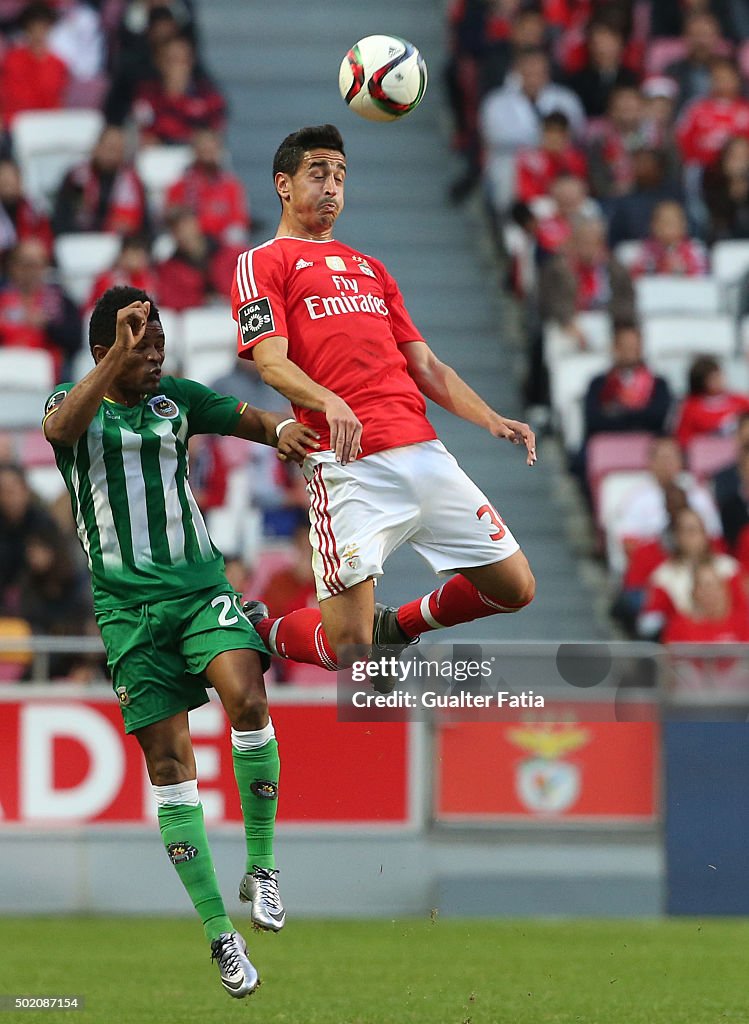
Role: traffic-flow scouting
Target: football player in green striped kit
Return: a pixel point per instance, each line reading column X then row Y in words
column 171, row 623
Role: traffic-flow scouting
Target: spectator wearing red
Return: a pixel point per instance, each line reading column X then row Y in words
column 31, row 76
column 707, row 124
column 613, row 141
column 199, row 270
column 537, row 168
column 18, row 218
column 709, row 408
column 34, row 313
column 670, row 588
column 214, row 194
column 669, row 250
column 569, row 195
column 716, row 617
column 102, row 194
column 133, row 268
column 170, row 108
column 604, row 69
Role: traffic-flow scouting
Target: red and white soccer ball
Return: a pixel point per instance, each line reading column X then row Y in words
column 382, row 78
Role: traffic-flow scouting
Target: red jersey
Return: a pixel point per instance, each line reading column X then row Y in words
column 31, row 82
column 709, row 414
column 345, row 320
column 536, row 169
column 687, row 257
column 217, row 199
column 708, row 124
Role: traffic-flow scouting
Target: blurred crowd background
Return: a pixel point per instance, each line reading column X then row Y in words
column 607, row 147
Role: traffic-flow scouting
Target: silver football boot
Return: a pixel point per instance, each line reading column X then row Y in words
column 238, row 976
column 260, row 888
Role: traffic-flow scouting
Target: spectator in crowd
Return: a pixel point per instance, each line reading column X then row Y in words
column 516, row 27
column 628, row 397
column 135, row 59
column 537, row 168
column 669, row 250
column 726, row 482
column 34, row 312
column 709, row 408
column 612, row 142
column 645, row 513
column 584, row 276
column 78, row 40
column 604, row 69
column 671, row 586
column 707, row 124
column 214, row 194
column 509, row 120
column 199, row 270
column 570, row 203
column 170, row 108
column 133, row 267
column 702, row 42
column 18, row 218
column 31, row 76
column 54, row 597
column 725, row 190
column 21, row 515
column 734, row 508
column 659, row 94
column 102, row 194
column 630, row 215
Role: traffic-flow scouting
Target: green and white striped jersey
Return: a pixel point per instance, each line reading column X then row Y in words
column 137, row 519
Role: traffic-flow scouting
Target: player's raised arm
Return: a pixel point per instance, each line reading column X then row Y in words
column 442, row 384
column 293, row 440
column 279, row 372
column 67, row 419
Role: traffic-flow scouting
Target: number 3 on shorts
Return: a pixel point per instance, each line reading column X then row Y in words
column 228, row 602
column 495, row 518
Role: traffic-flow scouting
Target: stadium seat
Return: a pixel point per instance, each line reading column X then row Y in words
column 46, row 482
column 159, row 167
column 674, row 366
column 558, row 344
column 28, row 376
column 615, row 488
column 210, row 342
column 47, row 143
column 730, row 263
column 667, row 293
column 34, row 450
column 628, row 253
column 689, row 335
column 708, row 454
column 81, row 257
column 568, row 383
column 613, row 453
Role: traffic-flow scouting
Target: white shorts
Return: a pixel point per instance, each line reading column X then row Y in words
column 361, row 512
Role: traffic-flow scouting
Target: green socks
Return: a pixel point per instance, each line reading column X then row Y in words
column 186, row 842
column 256, row 770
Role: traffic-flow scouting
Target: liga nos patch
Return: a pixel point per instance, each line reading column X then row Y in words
column 255, row 318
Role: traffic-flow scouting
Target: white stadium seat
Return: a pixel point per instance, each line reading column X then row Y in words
column 28, row 376
column 210, row 342
column 160, row 167
column 615, row 488
column 730, row 260
column 674, row 366
column 668, row 293
column 628, row 253
column 689, row 335
column 569, row 383
column 81, row 257
column 558, row 344
column 47, row 143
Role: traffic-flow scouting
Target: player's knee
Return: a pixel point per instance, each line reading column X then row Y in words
column 166, row 769
column 249, row 712
column 351, row 643
column 520, row 592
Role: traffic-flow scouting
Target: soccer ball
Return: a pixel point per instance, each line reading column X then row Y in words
column 382, row 78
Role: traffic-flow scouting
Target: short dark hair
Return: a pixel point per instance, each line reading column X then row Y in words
column 290, row 153
column 37, row 12
column 556, row 119
column 102, row 327
column 702, row 368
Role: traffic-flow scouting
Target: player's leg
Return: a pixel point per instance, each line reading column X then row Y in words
column 237, row 676
column 170, row 761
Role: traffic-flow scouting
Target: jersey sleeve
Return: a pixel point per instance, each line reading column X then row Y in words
column 258, row 300
column 209, row 412
column 55, row 400
column 403, row 327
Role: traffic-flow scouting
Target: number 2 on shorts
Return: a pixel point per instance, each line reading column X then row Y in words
column 228, row 602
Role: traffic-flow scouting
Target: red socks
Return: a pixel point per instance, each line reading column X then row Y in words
column 456, row 601
column 298, row 636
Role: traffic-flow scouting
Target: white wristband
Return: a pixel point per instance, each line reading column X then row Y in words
column 281, row 425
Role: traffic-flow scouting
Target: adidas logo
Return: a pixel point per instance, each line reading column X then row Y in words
column 301, row 263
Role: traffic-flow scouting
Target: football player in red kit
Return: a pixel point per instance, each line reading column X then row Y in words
column 328, row 328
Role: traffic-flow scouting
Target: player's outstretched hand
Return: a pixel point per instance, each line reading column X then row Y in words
column 345, row 430
column 131, row 325
column 296, row 441
column 518, row 433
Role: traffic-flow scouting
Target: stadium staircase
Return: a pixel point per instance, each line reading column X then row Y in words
column 282, row 74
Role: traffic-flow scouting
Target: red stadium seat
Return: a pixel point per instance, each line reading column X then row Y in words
column 708, row 454
column 614, row 453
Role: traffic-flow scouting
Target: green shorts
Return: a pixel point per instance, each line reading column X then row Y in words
column 157, row 652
